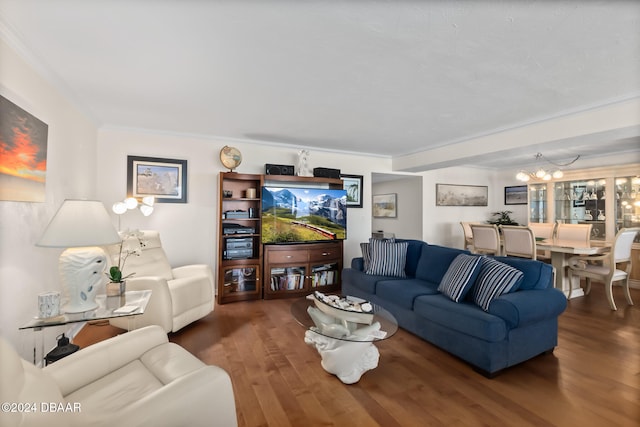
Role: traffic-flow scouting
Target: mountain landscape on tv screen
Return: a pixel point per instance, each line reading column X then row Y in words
column 303, row 214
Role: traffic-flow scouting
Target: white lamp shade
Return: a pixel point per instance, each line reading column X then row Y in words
column 146, row 210
column 80, row 223
column 131, row 202
column 540, row 173
column 119, row 208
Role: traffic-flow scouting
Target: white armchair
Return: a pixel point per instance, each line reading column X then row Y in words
column 135, row 379
column 179, row 295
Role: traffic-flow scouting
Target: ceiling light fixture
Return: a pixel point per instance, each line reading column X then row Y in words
column 130, row 203
column 541, row 173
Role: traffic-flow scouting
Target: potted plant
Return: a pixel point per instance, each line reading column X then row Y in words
column 503, row 218
column 117, row 284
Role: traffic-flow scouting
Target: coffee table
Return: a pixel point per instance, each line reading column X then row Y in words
column 347, row 348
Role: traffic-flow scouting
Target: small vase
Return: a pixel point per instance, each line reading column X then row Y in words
column 115, row 289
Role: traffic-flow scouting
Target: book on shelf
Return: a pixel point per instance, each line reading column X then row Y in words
column 287, row 282
column 323, row 278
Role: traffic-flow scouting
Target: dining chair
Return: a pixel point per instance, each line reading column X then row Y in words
column 574, row 233
column 486, row 239
column 604, row 268
column 543, row 230
column 468, row 235
column 518, row 241
column 546, row 231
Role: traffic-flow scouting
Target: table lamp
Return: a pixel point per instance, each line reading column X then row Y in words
column 80, row 226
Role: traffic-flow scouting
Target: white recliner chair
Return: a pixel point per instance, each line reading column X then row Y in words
column 134, row 379
column 179, row 295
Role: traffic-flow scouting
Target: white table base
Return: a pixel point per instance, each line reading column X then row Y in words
column 348, row 360
column 559, row 261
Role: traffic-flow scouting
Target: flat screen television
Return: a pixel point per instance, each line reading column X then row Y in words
column 294, row 215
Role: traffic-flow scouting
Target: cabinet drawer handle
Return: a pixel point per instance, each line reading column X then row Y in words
column 289, row 256
column 326, row 253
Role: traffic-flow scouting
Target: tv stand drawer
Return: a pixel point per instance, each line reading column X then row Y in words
column 287, row 256
column 323, row 254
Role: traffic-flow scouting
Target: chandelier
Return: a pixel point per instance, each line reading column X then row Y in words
column 542, row 173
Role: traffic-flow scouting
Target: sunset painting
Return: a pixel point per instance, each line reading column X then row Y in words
column 23, row 154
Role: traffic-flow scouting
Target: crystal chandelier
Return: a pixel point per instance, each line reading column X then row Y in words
column 543, row 174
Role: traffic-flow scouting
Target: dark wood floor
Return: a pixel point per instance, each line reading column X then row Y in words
column 592, row 378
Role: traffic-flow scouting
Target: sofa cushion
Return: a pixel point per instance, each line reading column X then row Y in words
column 358, row 279
column 365, row 247
column 537, row 274
column 117, row 389
column 434, row 262
column 387, row 258
column 495, row 278
column 460, row 276
column 403, row 292
column 464, row 317
column 366, row 254
column 414, row 251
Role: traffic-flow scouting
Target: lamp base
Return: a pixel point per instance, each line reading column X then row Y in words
column 80, row 308
column 81, row 272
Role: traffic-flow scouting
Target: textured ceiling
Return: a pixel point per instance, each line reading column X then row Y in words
column 381, row 77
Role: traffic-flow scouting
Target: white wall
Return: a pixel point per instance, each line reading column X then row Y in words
column 188, row 231
column 408, row 223
column 26, row 270
column 441, row 224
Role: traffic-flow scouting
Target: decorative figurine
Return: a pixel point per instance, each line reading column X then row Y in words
column 303, row 163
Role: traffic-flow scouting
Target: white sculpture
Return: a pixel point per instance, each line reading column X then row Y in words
column 303, row 163
column 346, row 350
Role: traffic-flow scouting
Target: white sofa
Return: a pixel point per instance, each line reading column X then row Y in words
column 135, row 379
column 179, row 295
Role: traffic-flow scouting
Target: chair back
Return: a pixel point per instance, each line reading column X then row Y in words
column 468, row 234
column 543, row 230
column 149, row 259
column 486, row 239
column 518, row 241
column 579, row 234
column 622, row 244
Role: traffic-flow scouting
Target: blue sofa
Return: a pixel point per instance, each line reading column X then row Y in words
column 517, row 326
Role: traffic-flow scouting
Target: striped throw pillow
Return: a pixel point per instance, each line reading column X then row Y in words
column 495, row 278
column 366, row 253
column 387, row 258
column 460, row 276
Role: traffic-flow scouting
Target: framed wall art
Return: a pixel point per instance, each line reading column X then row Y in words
column 516, row 195
column 385, row 205
column 165, row 179
column 353, row 185
column 462, row 195
column 23, row 155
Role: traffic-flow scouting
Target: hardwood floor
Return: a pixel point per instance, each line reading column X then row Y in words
column 591, row 379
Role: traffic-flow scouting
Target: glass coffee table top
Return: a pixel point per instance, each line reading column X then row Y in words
column 107, row 309
column 383, row 324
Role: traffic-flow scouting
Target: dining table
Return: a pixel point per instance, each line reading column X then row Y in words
column 561, row 251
